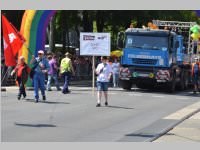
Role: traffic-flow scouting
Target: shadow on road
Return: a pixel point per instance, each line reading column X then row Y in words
column 47, row 102
column 35, row 125
column 120, row 107
column 142, row 135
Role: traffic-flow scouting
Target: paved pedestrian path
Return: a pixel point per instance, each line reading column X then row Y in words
column 187, row 131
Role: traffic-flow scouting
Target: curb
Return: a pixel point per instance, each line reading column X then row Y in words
column 173, row 126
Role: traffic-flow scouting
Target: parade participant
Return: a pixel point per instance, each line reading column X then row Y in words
column 196, row 74
column 52, row 73
column 104, row 72
column 66, row 70
column 21, row 70
column 41, row 66
column 115, row 68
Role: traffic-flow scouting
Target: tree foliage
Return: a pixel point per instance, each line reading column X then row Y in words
column 111, row 21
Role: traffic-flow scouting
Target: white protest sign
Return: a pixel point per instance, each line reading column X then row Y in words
column 95, row 44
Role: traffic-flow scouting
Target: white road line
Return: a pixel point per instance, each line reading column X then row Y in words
column 181, row 113
column 135, row 94
column 181, row 98
column 158, row 96
column 112, row 93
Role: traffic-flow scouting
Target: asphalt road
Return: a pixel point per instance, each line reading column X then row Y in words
column 132, row 116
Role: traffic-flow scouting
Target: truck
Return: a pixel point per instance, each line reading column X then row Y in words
column 156, row 57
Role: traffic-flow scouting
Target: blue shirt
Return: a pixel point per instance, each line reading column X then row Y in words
column 43, row 61
column 115, row 67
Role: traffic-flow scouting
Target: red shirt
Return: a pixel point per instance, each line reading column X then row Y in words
column 19, row 69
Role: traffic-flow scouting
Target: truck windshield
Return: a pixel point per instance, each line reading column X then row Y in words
column 147, row 42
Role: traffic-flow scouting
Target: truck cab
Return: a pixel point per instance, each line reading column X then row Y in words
column 150, row 57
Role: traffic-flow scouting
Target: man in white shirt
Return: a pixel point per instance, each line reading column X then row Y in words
column 104, row 72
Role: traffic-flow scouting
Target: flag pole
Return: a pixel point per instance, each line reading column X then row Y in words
column 93, row 74
column 4, row 89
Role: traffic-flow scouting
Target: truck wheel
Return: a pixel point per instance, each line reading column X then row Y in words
column 171, row 87
column 186, row 82
column 127, row 85
column 181, row 85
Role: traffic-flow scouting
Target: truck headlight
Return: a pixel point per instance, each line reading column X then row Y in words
column 161, row 62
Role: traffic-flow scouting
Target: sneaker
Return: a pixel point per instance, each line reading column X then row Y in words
column 66, row 92
column 106, row 103
column 18, row 97
column 43, row 98
column 98, row 105
column 49, row 89
column 24, row 96
column 36, row 100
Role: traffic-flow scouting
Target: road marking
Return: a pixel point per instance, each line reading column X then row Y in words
column 158, row 96
column 135, row 94
column 112, row 93
column 181, row 98
column 183, row 112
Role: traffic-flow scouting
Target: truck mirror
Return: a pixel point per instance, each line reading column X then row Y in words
column 120, row 40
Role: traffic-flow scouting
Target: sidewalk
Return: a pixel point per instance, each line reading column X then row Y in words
column 186, row 131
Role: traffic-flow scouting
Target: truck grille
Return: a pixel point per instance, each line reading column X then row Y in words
column 145, row 61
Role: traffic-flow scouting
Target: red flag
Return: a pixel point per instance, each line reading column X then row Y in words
column 12, row 42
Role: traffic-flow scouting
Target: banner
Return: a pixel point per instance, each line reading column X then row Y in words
column 12, row 42
column 95, row 44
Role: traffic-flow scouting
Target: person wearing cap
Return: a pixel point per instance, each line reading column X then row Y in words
column 52, row 73
column 104, row 72
column 115, row 68
column 195, row 74
column 42, row 67
column 21, row 70
column 66, row 70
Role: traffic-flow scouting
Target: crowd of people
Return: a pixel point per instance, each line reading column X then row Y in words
column 52, row 68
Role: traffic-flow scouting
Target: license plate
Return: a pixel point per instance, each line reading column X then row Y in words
column 143, row 75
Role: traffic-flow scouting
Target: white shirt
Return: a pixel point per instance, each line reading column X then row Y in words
column 104, row 74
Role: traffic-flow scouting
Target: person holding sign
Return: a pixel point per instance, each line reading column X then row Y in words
column 104, row 72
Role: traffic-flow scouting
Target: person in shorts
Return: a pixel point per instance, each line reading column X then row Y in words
column 104, row 72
